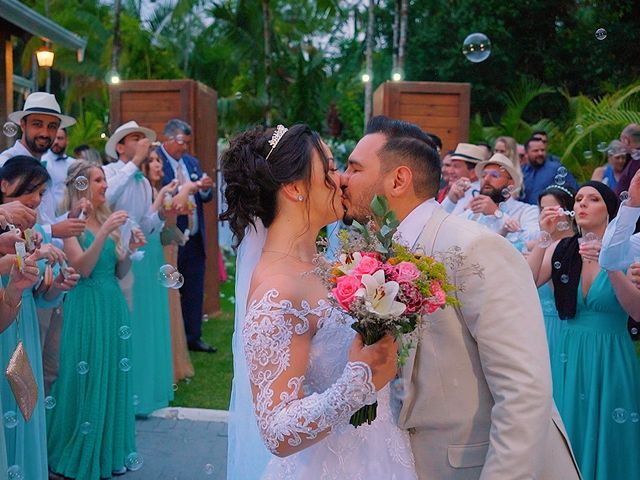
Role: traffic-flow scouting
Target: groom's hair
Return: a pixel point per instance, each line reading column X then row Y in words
column 407, row 144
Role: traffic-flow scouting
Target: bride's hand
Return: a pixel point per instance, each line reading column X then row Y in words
column 382, row 358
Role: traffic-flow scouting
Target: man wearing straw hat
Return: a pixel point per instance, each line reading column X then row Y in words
column 494, row 206
column 463, row 177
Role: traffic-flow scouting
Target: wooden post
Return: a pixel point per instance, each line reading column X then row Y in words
column 6, row 80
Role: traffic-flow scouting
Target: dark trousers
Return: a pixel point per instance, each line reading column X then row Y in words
column 191, row 264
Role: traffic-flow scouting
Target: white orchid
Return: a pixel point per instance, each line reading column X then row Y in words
column 380, row 296
column 349, row 262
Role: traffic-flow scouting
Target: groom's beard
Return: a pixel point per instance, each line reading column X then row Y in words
column 359, row 208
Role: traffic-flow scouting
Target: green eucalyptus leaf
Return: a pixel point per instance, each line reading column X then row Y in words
column 379, row 206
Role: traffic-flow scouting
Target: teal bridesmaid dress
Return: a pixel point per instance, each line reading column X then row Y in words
column 596, row 385
column 91, row 431
column 152, row 361
column 26, row 442
column 552, row 322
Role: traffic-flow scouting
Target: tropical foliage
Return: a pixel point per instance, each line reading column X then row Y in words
column 288, row 61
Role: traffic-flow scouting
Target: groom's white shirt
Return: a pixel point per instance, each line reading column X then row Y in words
column 478, row 400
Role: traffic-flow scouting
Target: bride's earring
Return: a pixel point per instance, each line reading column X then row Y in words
column 300, row 198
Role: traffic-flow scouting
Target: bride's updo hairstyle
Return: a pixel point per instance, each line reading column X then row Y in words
column 252, row 180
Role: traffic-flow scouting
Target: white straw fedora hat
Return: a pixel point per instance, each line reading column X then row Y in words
column 468, row 153
column 503, row 162
column 45, row 104
column 124, row 130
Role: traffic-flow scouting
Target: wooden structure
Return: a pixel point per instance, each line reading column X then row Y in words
column 18, row 20
column 152, row 103
column 440, row 108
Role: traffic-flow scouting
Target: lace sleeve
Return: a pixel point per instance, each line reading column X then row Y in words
column 277, row 339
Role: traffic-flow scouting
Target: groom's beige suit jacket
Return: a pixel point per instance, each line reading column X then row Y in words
column 478, row 399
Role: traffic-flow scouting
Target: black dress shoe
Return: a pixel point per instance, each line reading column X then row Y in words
column 200, row 346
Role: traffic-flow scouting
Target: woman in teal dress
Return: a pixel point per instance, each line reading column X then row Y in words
column 152, row 361
column 596, row 376
column 91, row 431
column 559, row 197
column 24, row 179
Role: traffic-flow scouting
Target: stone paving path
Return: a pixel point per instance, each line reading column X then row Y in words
column 182, row 444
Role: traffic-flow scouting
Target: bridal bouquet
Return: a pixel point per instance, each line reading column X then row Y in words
column 382, row 285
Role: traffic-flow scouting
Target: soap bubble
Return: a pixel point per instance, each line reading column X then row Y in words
column 557, row 265
column 602, row 147
column 588, row 154
column 85, row 428
column 476, row 47
column 178, row 280
column 559, row 179
column 564, row 278
column 634, row 417
column 601, row 34
column 133, row 461
column 49, row 402
column 579, row 129
column 10, row 129
column 619, row 415
column 124, row 332
column 82, row 367
column 563, row 226
column 506, row 193
column 209, row 469
column 15, row 473
column 634, row 331
column 81, row 183
column 563, row 357
column 174, row 387
column 136, row 400
column 165, row 275
column 10, row 419
column 124, row 364
column 562, row 171
column 624, row 196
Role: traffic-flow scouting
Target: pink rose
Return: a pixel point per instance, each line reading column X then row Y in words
column 367, row 266
column 411, row 297
column 345, row 290
column 407, row 272
column 437, row 299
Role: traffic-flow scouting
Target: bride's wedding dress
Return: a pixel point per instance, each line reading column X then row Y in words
column 333, row 389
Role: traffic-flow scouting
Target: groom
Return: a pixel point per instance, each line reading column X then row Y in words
column 478, row 402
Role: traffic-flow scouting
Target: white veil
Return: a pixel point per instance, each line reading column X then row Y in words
column 247, row 455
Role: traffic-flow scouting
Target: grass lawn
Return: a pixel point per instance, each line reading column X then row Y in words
column 211, row 385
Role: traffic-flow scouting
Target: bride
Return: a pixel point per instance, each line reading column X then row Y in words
column 299, row 367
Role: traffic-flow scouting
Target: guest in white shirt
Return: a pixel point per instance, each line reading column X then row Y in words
column 129, row 190
column 495, row 207
column 463, row 178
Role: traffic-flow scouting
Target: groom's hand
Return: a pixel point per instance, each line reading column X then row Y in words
column 382, row 358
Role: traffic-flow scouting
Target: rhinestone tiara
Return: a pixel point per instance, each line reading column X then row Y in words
column 275, row 138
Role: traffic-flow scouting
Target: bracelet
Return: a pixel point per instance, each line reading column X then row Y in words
column 4, row 300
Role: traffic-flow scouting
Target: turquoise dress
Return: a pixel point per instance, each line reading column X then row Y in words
column 552, row 322
column 91, row 431
column 151, row 358
column 596, row 385
column 26, row 442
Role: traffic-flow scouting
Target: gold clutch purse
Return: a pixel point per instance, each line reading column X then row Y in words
column 22, row 382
